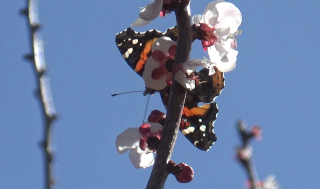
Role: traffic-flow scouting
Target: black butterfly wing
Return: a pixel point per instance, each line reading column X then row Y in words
column 207, row 89
column 197, row 125
column 197, row 122
column 135, row 47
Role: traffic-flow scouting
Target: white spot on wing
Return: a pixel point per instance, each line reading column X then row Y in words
column 202, row 128
column 126, row 54
column 130, row 50
column 188, row 130
column 135, row 41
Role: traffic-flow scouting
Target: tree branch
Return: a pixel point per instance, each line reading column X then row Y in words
column 246, row 162
column 43, row 87
column 176, row 102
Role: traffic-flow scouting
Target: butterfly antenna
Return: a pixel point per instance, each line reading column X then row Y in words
column 126, row 92
column 145, row 111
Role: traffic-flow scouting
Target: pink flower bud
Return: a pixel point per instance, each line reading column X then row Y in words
column 206, row 34
column 156, row 116
column 143, row 144
column 256, row 132
column 145, row 129
column 185, row 173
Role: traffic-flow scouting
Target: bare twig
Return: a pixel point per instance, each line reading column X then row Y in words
column 43, row 86
column 176, row 102
column 243, row 159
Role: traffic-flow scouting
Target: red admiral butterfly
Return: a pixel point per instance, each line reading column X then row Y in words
column 197, row 121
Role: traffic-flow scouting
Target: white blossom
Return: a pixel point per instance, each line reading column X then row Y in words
column 221, row 21
column 149, row 13
column 130, row 140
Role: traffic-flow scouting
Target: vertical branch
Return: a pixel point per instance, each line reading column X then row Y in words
column 43, row 87
column 244, row 153
column 159, row 172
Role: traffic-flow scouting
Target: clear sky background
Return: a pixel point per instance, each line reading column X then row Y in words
column 275, row 84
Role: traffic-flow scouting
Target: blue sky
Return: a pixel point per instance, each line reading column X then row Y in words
column 275, row 84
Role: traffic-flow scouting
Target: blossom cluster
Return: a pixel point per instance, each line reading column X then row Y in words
column 142, row 141
column 136, row 140
column 215, row 28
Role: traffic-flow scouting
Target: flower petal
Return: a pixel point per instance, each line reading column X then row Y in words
column 228, row 62
column 158, row 56
column 223, row 32
column 270, row 183
column 222, row 47
column 210, row 14
column 151, row 83
column 229, row 16
column 225, row 17
column 223, row 55
column 197, row 19
column 128, row 140
column 182, row 79
column 155, row 127
column 191, row 65
column 149, row 13
column 163, row 44
column 209, row 65
column 140, row 22
column 140, row 159
column 214, row 54
column 152, row 10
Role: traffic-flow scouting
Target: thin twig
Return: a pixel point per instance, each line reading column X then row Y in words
column 159, row 173
column 246, row 162
column 43, row 87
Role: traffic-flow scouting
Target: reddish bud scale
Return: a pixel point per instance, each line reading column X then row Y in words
column 145, row 129
column 256, row 131
column 206, row 34
column 143, row 144
column 156, row 116
column 185, row 173
column 259, row 183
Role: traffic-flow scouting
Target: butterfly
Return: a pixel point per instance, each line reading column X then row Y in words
column 199, row 112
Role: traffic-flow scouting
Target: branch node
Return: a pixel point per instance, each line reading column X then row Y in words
column 29, row 57
column 41, row 72
column 52, row 117
column 35, row 27
column 24, row 12
column 43, row 92
column 37, row 93
column 43, row 144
